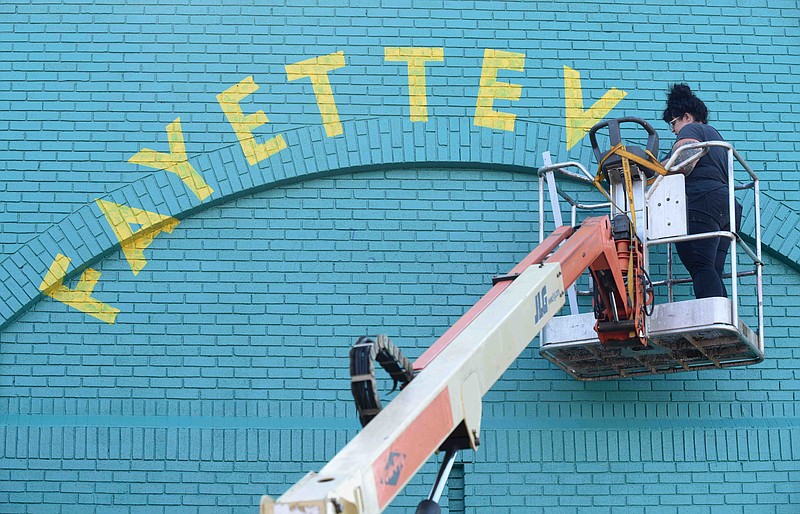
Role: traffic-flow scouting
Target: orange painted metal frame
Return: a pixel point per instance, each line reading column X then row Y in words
column 591, row 246
column 535, row 257
column 398, row 463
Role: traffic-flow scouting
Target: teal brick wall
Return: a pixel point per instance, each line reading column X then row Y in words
column 224, row 376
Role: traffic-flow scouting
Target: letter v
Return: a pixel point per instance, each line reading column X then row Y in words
column 579, row 121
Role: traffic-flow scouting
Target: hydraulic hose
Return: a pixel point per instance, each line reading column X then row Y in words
column 363, row 355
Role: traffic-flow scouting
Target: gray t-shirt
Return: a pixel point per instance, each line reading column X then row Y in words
column 711, row 171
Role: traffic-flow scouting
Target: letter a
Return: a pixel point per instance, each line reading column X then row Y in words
column 79, row 298
column 121, row 217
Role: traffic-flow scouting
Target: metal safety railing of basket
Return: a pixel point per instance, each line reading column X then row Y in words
column 755, row 254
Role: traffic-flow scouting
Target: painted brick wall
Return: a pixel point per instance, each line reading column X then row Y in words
column 224, row 376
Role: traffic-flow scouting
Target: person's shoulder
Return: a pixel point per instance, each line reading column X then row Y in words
column 693, row 131
column 700, row 132
column 714, row 134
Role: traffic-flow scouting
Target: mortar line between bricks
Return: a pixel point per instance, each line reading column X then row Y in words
column 615, row 423
column 489, row 424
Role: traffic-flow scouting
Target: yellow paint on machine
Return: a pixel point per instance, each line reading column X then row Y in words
column 121, row 217
column 244, row 125
column 317, row 69
column 491, row 89
column 416, row 58
column 578, row 120
column 175, row 161
column 79, row 298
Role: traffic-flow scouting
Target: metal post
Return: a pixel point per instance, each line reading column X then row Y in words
column 543, row 334
column 759, row 266
column 669, row 273
column 645, row 224
column 733, row 228
column 555, row 206
column 444, row 473
column 541, row 208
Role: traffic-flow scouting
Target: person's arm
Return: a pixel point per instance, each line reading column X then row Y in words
column 686, row 154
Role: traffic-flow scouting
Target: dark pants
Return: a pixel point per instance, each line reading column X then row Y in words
column 705, row 258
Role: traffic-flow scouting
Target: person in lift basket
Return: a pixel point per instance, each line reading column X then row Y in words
column 706, row 192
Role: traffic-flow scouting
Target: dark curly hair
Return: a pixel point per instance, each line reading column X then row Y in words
column 682, row 101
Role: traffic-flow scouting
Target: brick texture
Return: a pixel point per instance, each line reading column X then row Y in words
column 225, row 374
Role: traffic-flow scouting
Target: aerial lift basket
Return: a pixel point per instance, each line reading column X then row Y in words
column 681, row 335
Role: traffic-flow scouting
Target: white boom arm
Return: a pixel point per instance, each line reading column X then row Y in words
column 367, row 474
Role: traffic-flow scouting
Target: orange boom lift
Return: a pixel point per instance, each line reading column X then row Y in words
column 626, row 334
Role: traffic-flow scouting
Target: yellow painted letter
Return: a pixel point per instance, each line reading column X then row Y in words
column 317, row 70
column 579, row 121
column 491, row 90
column 79, row 298
column 120, row 217
column 175, row 161
column 244, row 126
column 416, row 59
